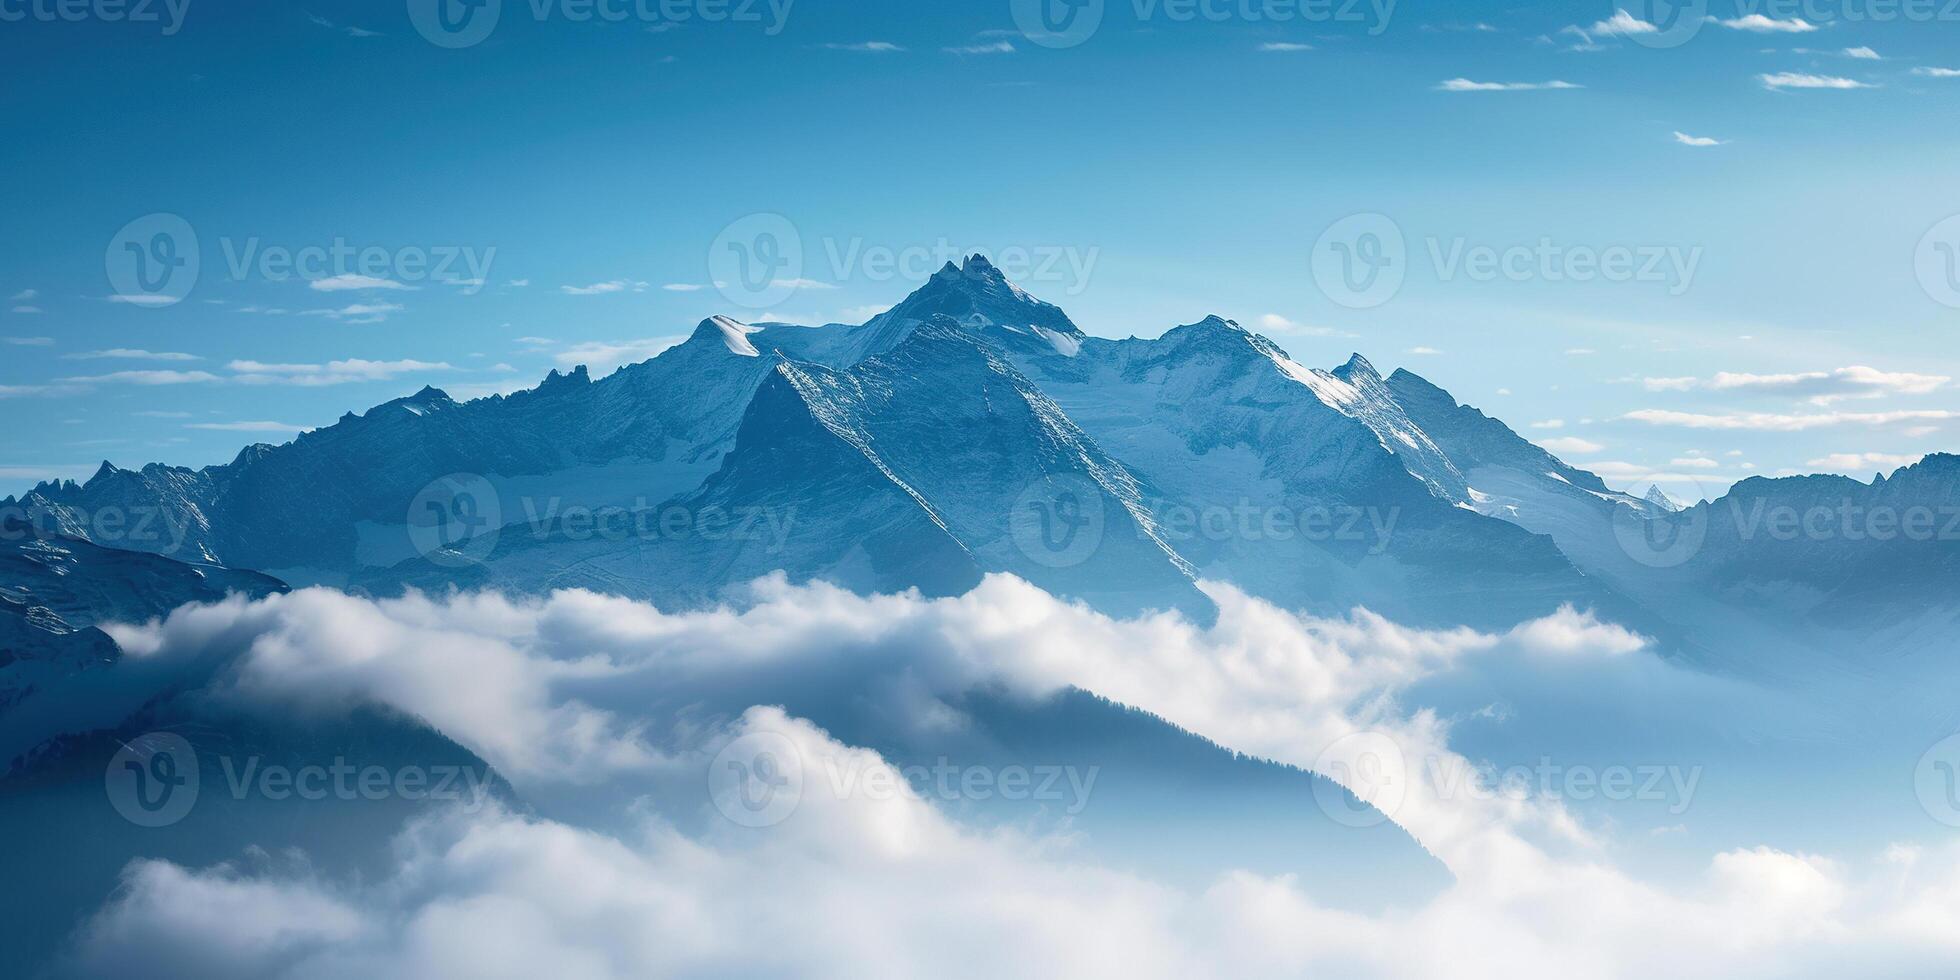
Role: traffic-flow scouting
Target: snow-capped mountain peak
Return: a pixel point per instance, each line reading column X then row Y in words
column 977, row 297
column 730, row 333
column 1659, row 498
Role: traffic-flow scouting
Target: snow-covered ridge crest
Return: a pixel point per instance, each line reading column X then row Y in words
column 734, row 334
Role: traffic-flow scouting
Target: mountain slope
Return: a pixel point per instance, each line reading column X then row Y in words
column 55, row 589
column 336, row 499
column 993, row 458
column 1299, row 484
column 923, row 467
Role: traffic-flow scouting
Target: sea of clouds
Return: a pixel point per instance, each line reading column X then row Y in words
column 577, row 693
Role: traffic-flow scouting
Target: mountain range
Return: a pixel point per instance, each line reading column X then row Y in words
column 974, row 428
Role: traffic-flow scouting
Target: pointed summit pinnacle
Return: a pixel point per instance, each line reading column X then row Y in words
column 1356, row 364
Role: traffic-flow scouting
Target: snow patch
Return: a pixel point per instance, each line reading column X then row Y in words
column 736, row 336
column 1064, row 344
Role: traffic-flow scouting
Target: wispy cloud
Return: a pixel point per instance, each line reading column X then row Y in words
column 357, row 313
column 859, row 314
column 1794, row 79
column 1285, row 46
column 130, row 354
column 349, row 30
column 29, row 391
column 329, row 373
column 1937, row 72
column 602, row 288
column 995, row 47
column 1818, row 387
column 1466, row 85
column 1670, row 384
column 1854, row 461
column 1685, row 140
column 146, row 378
column 346, row 281
column 1773, row 422
column 1759, row 24
column 29, row 341
column 1571, row 445
column 1274, row 323
column 1621, row 24
column 866, row 47
column 1862, row 54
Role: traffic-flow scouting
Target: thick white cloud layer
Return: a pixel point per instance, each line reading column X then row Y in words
column 859, row 884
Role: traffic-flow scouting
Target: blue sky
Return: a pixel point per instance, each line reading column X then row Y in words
column 1172, row 164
